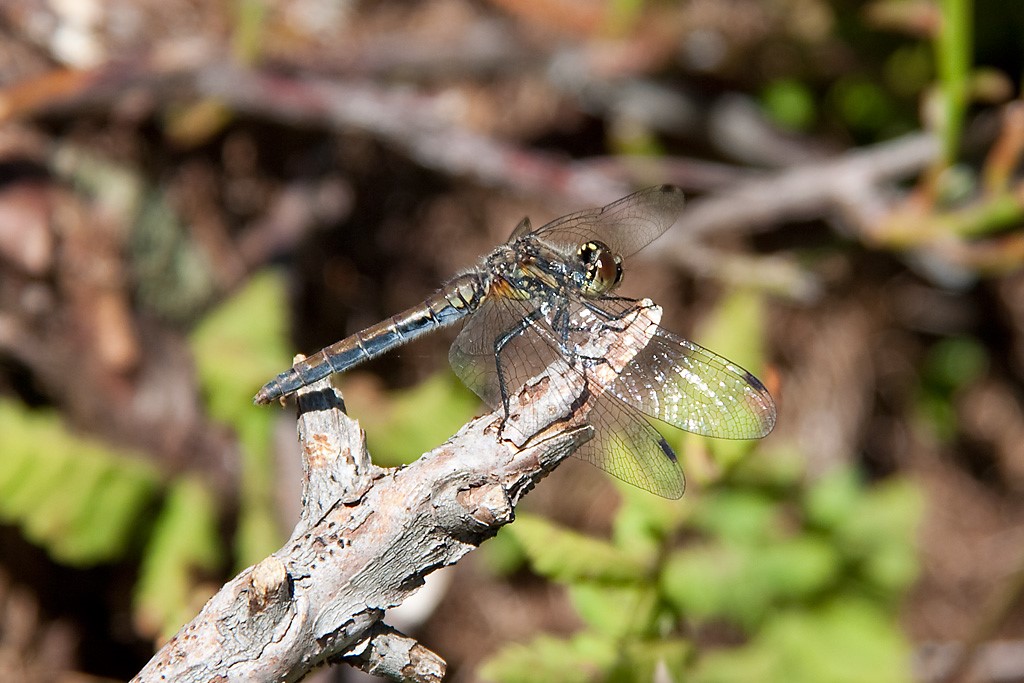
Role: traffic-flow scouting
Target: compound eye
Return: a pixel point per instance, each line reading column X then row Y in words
column 602, row 268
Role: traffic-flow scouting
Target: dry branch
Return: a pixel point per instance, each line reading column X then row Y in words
column 427, row 128
column 368, row 536
column 850, row 186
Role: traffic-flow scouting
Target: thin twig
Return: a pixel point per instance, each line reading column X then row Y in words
column 847, row 186
column 428, row 128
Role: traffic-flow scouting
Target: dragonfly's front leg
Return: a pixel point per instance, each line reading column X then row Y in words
column 608, row 316
column 499, row 347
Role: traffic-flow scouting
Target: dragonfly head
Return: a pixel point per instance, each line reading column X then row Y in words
column 602, row 268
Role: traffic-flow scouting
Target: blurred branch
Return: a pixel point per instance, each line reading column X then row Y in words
column 994, row 662
column 851, row 186
column 421, row 125
column 847, row 185
column 780, row 275
column 854, row 186
column 426, row 127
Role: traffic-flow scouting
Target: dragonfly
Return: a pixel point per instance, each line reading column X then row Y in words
column 537, row 300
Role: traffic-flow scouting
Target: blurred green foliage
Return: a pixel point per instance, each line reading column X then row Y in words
column 900, row 54
column 87, row 502
column 863, row 105
column 237, row 347
column 950, row 366
column 810, row 576
column 841, row 640
column 78, row 498
column 184, row 547
column 789, row 103
column 399, row 430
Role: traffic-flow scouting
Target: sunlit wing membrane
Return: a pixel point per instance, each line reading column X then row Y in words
column 627, row 226
column 687, row 386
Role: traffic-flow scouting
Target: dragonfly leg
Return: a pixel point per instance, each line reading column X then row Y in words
column 499, row 347
column 608, row 315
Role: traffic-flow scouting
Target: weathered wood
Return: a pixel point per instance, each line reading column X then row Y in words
column 368, row 536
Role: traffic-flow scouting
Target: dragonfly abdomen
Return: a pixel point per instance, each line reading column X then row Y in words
column 454, row 301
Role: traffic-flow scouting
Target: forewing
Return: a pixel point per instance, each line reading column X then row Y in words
column 687, row 386
column 626, row 225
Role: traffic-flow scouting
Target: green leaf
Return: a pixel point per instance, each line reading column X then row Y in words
column 833, row 499
column 413, row 421
column 778, row 469
column 954, row 363
column 789, row 103
column 862, row 103
column 582, row 659
column 740, row 582
column 567, row 556
column 662, row 659
column 875, row 529
column 585, row 658
column 797, row 569
column 503, row 555
column 950, row 365
column 735, row 331
column 705, row 582
column 881, row 534
column 615, row 611
column 739, row 515
column 644, row 523
column 237, row 348
column 846, row 641
column 184, row 546
column 909, row 70
column 651, row 660
column 113, row 516
column 76, row 497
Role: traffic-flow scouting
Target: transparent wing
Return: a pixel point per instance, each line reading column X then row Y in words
column 624, row 443
column 627, row 225
column 687, row 386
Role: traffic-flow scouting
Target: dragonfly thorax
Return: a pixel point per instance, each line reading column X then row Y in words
column 531, row 269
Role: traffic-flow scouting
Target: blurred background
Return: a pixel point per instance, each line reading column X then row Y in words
column 192, row 192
